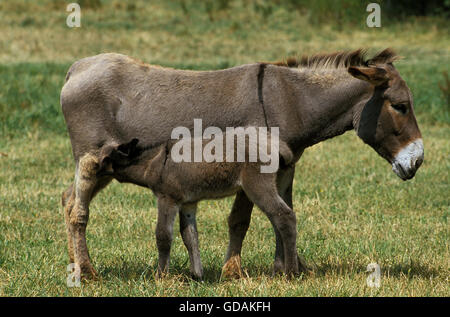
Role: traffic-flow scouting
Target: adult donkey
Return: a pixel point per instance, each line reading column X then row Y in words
column 110, row 99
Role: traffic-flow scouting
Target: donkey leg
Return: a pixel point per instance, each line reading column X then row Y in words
column 284, row 185
column 167, row 211
column 85, row 184
column 68, row 202
column 188, row 230
column 238, row 223
column 285, row 179
column 261, row 189
column 284, row 221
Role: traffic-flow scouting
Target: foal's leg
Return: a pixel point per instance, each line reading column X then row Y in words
column 261, row 189
column 238, row 223
column 76, row 202
column 188, row 230
column 167, row 211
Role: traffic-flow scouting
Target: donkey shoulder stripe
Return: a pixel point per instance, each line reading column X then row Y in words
column 262, row 67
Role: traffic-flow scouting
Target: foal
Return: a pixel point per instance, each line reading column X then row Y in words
column 180, row 185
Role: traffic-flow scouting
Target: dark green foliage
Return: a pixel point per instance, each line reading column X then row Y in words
column 322, row 11
column 405, row 8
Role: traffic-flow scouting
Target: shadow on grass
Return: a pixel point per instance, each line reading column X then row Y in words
column 126, row 270
column 410, row 270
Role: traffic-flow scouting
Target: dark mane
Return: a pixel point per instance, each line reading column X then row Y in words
column 341, row 59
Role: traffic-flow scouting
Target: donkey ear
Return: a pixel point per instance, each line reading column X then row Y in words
column 373, row 75
column 119, row 153
column 128, row 149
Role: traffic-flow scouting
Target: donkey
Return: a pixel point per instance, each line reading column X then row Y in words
column 110, row 99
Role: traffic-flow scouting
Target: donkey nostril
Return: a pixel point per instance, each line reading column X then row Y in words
column 418, row 163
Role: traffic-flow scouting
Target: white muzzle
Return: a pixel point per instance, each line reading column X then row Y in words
column 408, row 160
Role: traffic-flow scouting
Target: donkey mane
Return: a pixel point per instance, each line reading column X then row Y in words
column 340, row 59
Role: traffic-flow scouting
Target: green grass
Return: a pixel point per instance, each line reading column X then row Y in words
column 351, row 209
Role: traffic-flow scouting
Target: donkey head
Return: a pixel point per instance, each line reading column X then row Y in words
column 386, row 121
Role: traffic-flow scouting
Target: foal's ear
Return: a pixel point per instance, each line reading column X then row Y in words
column 128, row 149
column 373, row 75
column 119, row 153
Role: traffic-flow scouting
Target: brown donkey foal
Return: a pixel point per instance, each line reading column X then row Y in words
column 110, row 99
column 179, row 185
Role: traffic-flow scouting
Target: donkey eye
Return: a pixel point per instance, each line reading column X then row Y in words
column 400, row 108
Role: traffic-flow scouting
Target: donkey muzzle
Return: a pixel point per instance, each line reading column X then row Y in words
column 408, row 160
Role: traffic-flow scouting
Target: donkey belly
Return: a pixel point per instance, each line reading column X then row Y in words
column 192, row 182
column 206, row 194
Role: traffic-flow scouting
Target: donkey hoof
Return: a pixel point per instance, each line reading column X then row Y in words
column 232, row 268
column 197, row 277
column 292, row 273
column 88, row 272
column 161, row 274
column 196, row 273
column 278, row 268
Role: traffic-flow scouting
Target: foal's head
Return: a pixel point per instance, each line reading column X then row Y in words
column 386, row 121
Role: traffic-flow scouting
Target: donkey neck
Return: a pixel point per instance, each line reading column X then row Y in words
column 327, row 103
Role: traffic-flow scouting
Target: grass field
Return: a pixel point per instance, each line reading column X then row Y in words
column 351, row 209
